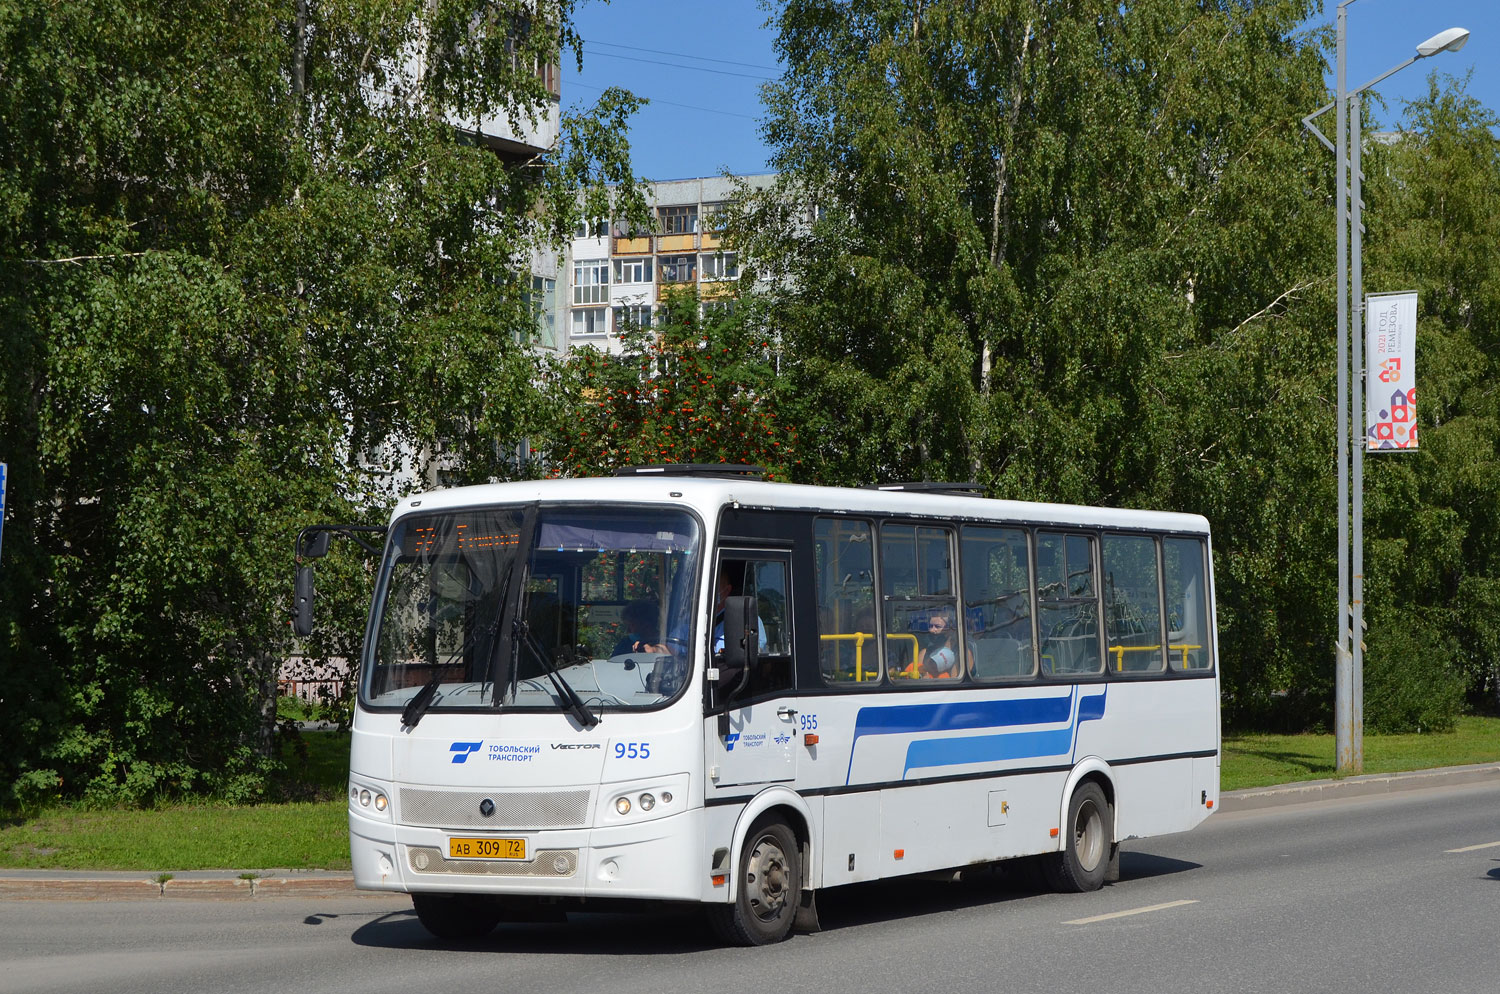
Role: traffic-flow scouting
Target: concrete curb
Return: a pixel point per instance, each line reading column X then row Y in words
column 233, row 885
column 1256, row 798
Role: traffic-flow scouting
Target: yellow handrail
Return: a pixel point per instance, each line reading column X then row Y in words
column 1120, row 650
column 859, row 639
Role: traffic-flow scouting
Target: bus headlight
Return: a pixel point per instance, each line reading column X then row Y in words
column 369, row 801
column 622, row 805
column 647, row 802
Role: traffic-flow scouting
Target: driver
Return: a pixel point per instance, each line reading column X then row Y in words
column 642, row 633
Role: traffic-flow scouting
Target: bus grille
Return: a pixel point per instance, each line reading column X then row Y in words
column 514, row 810
column 546, row 863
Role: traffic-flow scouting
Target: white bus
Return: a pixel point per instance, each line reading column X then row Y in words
column 700, row 688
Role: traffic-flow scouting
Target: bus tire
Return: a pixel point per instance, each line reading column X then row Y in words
column 769, row 887
column 1084, row 860
column 456, row 917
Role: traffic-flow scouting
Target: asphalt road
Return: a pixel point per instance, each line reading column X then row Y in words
column 1390, row 893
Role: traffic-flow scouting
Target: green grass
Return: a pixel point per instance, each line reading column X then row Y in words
column 313, row 833
column 1263, row 760
column 298, row 835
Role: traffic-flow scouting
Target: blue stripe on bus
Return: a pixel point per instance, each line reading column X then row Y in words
column 987, row 748
column 962, row 715
column 1089, row 709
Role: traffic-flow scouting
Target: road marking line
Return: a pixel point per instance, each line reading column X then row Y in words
column 1126, row 914
column 1482, row 845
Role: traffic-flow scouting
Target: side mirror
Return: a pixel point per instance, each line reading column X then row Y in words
column 302, row 606
column 313, row 544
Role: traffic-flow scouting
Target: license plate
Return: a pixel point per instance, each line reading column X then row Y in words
column 486, row 848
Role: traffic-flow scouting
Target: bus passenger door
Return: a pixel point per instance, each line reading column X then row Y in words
column 751, row 729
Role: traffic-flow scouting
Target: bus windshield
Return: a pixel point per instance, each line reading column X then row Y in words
column 598, row 608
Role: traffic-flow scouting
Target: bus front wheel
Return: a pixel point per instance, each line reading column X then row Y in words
column 769, row 887
column 1084, row 860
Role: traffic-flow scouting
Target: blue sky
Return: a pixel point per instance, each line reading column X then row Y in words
column 702, row 62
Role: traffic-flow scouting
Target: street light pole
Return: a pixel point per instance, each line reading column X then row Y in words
column 1343, row 683
column 1349, row 702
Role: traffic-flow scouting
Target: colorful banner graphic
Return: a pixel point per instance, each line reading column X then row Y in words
column 1390, row 381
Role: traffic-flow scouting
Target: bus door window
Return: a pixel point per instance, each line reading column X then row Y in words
column 1067, row 604
column 844, row 577
column 923, row 637
column 1189, row 645
column 766, row 581
column 1132, row 605
column 997, row 602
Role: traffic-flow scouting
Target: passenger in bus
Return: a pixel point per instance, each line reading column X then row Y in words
column 939, row 655
column 642, row 633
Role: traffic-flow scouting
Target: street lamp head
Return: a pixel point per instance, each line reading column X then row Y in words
column 1445, row 41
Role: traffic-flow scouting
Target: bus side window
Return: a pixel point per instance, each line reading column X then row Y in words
column 1068, row 604
column 997, row 602
column 1189, row 645
column 1132, row 605
column 844, row 579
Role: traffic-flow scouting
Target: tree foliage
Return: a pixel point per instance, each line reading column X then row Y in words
column 1084, row 252
column 690, row 389
column 244, row 245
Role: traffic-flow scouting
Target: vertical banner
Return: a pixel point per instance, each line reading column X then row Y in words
column 1390, row 383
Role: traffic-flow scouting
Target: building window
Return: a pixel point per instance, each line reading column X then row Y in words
column 591, row 229
column 714, row 217
column 543, row 301
column 591, row 281
column 636, row 314
column 718, row 308
column 678, row 220
column 590, row 320
column 721, row 266
column 633, row 270
column 678, row 268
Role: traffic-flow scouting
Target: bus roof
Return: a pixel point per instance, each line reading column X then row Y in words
column 708, row 495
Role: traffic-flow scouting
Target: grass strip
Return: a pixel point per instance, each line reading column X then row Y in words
column 300, row 835
column 1265, row 760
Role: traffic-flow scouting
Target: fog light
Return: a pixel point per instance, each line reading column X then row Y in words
column 666, row 797
column 364, row 798
column 647, row 802
column 380, row 802
column 622, row 805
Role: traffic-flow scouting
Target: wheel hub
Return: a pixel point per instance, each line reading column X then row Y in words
column 766, row 878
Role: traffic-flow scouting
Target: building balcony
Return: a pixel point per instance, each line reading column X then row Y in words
column 676, row 243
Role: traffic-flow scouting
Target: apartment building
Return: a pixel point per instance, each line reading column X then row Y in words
column 617, row 275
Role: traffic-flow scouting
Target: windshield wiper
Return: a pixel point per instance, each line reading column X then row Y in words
column 422, row 699
column 569, row 696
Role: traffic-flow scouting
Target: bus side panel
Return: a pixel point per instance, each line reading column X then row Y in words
column 1149, row 719
column 945, row 825
column 1152, row 799
column 851, row 838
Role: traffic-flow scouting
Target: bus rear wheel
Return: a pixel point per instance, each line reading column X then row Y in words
column 456, row 917
column 1085, row 856
column 769, row 887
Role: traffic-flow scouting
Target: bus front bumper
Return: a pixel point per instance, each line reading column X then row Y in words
column 651, row 860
